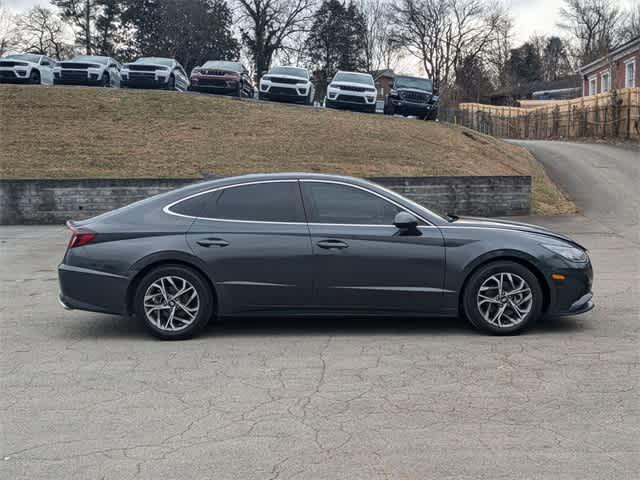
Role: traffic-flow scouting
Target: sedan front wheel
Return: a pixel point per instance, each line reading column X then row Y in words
column 503, row 298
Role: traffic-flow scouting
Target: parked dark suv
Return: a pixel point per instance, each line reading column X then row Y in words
column 412, row 96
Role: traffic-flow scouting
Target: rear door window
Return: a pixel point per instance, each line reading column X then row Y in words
column 262, row 202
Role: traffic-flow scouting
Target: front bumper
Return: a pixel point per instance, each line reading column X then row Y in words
column 92, row 290
column 11, row 75
column 354, row 102
column 574, row 294
column 213, row 84
column 283, row 92
column 77, row 78
column 413, row 108
column 144, row 82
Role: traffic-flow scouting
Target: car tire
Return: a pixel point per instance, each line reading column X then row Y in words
column 171, row 83
column 497, row 311
column 105, row 81
column 153, row 308
column 34, row 77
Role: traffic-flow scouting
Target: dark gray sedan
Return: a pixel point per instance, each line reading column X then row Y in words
column 306, row 244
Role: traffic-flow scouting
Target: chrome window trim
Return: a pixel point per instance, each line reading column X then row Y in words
column 167, row 208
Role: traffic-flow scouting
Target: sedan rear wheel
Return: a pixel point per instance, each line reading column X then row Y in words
column 503, row 298
column 174, row 302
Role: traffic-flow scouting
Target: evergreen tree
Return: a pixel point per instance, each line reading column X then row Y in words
column 336, row 40
column 192, row 31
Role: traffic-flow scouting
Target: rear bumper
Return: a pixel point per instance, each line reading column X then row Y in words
column 92, row 290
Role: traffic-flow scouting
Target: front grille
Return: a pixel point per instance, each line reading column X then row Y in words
column 142, row 76
column 415, row 97
column 76, row 66
column 6, row 74
column 285, row 80
column 351, row 98
column 143, row 68
column 283, row 91
column 73, row 75
column 352, row 89
column 212, row 82
column 215, row 73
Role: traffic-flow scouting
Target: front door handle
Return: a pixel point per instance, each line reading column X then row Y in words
column 332, row 244
column 212, row 242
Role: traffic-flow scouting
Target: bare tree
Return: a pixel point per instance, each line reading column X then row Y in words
column 381, row 46
column 8, row 33
column 631, row 24
column 595, row 26
column 443, row 32
column 498, row 52
column 41, row 31
column 268, row 24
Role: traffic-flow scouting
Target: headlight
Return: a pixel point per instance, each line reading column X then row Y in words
column 393, row 92
column 568, row 252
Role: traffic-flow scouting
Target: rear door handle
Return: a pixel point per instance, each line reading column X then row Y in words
column 212, row 242
column 332, row 244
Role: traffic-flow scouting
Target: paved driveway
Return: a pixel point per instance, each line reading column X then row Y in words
column 90, row 396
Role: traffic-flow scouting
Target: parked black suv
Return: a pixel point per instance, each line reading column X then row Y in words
column 412, row 96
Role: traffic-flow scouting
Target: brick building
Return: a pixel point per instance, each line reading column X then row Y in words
column 619, row 69
column 384, row 80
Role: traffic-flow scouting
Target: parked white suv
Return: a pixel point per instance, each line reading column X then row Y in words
column 352, row 90
column 26, row 68
column 88, row 70
column 287, row 84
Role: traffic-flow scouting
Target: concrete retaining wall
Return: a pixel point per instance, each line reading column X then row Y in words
column 54, row 201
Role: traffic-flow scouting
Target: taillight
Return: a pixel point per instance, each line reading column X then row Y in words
column 79, row 237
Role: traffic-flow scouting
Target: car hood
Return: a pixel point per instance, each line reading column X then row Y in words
column 476, row 222
column 351, row 84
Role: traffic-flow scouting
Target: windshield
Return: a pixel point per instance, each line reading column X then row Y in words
column 233, row 66
column 91, row 58
column 157, row 60
column 27, row 57
column 292, row 71
column 412, row 82
column 353, row 78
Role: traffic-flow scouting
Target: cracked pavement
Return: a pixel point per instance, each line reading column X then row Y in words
column 88, row 396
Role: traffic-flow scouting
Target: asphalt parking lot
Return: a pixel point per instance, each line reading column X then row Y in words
column 91, row 396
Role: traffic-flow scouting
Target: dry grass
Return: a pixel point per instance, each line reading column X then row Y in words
column 75, row 132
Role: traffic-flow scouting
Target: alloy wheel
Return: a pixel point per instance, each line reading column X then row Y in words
column 504, row 299
column 171, row 303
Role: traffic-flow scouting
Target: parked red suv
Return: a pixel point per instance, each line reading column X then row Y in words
column 228, row 78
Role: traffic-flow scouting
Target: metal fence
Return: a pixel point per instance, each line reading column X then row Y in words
column 611, row 115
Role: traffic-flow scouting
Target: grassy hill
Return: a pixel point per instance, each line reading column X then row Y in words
column 76, row 132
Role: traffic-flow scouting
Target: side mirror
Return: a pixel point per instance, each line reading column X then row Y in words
column 405, row 221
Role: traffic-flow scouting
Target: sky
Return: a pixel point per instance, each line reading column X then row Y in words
column 531, row 16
